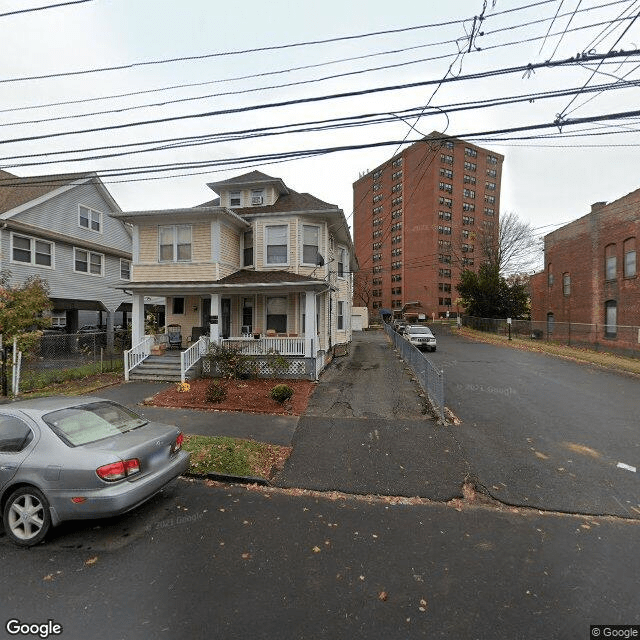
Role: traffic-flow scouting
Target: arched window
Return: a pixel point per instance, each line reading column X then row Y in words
column 566, row 284
column 550, row 323
column 610, row 318
column 610, row 265
column 629, row 257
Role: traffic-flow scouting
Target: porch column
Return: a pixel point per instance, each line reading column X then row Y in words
column 310, row 329
column 137, row 319
column 214, row 329
column 110, row 336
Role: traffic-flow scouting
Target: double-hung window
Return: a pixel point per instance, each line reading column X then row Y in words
column 277, row 314
column 235, row 198
column 277, row 244
column 31, row 251
column 125, row 269
column 175, row 243
column 88, row 262
column 310, row 244
column 90, row 218
column 340, row 315
column 342, row 260
column 247, row 257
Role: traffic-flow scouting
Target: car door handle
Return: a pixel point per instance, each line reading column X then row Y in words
column 7, row 467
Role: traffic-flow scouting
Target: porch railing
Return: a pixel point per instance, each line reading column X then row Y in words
column 262, row 346
column 191, row 356
column 134, row 356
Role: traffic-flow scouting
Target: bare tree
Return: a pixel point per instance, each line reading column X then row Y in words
column 361, row 289
column 514, row 249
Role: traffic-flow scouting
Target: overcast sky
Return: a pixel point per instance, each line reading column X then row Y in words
column 548, row 178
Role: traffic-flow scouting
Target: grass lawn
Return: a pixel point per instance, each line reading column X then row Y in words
column 233, row 456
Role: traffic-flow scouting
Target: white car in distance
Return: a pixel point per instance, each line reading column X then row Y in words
column 420, row 337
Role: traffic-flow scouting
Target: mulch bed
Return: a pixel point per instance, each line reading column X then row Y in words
column 242, row 395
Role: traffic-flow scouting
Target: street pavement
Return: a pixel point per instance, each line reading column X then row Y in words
column 543, row 431
column 232, row 562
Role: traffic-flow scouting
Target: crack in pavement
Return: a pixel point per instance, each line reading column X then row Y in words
column 470, row 498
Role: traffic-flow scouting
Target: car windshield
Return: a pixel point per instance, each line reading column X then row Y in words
column 419, row 330
column 91, row 422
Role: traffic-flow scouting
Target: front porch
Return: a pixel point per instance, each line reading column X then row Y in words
column 180, row 365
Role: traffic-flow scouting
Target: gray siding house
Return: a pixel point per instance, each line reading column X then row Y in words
column 58, row 227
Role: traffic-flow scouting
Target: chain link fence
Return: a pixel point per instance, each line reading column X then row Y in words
column 58, row 357
column 620, row 339
column 430, row 379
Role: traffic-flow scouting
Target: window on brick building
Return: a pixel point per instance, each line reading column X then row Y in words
column 550, row 322
column 610, row 318
column 566, row 284
column 610, row 265
column 630, row 258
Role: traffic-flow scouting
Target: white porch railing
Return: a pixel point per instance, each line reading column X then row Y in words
column 136, row 355
column 189, row 357
column 262, row 346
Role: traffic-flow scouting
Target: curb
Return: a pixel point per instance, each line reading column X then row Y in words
column 223, row 477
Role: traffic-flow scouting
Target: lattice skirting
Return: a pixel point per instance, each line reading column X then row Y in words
column 298, row 368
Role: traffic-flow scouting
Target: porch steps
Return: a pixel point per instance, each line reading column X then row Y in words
column 164, row 368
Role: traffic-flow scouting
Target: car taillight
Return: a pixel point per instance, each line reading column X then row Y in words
column 118, row 470
column 132, row 466
column 177, row 445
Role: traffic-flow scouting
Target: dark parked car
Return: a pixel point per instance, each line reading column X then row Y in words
column 65, row 458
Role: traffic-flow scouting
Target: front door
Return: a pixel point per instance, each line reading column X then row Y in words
column 206, row 312
column 225, row 312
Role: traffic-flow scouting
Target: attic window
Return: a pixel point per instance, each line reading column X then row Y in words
column 90, row 219
column 234, row 199
column 257, row 197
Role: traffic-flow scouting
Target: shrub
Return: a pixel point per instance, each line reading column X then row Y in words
column 216, row 392
column 231, row 363
column 281, row 393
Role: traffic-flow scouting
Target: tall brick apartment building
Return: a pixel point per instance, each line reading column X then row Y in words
column 417, row 222
column 589, row 286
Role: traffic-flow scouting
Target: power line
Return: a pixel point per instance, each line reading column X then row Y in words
column 277, row 72
column 321, row 98
column 50, row 6
column 305, row 153
column 219, row 54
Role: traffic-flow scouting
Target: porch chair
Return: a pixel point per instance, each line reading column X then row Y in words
column 175, row 336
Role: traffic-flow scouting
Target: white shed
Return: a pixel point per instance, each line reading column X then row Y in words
column 359, row 318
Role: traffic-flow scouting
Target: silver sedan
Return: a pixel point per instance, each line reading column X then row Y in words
column 67, row 458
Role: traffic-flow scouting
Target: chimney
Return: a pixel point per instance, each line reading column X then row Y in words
column 596, row 206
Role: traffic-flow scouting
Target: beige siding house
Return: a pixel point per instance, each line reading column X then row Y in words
column 261, row 267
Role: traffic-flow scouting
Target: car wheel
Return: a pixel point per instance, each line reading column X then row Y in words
column 433, row 349
column 26, row 516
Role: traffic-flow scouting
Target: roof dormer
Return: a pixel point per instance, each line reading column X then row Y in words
column 254, row 189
